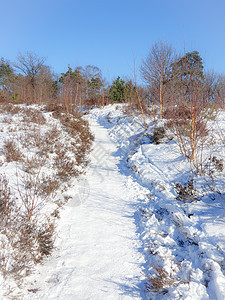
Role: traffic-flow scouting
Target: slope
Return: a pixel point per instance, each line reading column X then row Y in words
column 98, row 250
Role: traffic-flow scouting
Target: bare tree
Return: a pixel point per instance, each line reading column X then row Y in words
column 211, row 85
column 155, row 69
column 31, row 65
column 220, row 91
column 36, row 82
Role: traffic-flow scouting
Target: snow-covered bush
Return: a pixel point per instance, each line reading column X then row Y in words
column 41, row 151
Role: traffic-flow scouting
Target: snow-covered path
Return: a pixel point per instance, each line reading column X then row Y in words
column 98, row 251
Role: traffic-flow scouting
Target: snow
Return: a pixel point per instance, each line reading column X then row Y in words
column 123, row 221
column 98, row 250
column 173, row 232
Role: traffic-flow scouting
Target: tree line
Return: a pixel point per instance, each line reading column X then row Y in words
column 169, row 79
column 30, row 80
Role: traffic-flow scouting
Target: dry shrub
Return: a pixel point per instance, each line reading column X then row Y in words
column 30, row 243
column 23, row 243
column 33, row 164
column 45, row 238
column 188, row 124
column 12, row 152
column 79, row 146
column 33, row 115
column 65, row 166
column 7, row 120
column 49, row 141
column 67, row 156
column 158, row 135
column 49, row 185
column 214, row 165
column 30, row 137
column 10, row 108
column 34, row 137
column 185, row 192
column 217, row 163
column 2, row 99
column 6, row 201
column 30, row 195
column 43, row 185
column 74, row 125
column 132, row 108
column 53, row 134
column 26, row 236
column 180, row 111
column 91, row 102
column 160, row 281
column 56, row 108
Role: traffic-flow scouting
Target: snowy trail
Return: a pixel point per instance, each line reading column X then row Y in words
column 98, row 248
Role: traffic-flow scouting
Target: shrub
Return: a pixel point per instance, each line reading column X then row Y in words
column 33, row 115
column 24, row 242
column 26, row 237
column 185, row 192
column 79, row 147
column 65, row 166
column 12, row 152
column 33, row 164
column 159, row 281
column 49, row 184
column 6, row 202
column 158, row 135
column 189, row 126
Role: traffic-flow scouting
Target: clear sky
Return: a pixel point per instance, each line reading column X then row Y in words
column 111, row 34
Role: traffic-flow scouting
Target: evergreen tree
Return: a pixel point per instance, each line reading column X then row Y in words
column 187, row 76
column 75, row 76
column 187, row 68
column 117, row 90
column 94, row 87
column 130, row 91
column 6, row 72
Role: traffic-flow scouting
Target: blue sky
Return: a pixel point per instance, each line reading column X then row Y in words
column 111, row 34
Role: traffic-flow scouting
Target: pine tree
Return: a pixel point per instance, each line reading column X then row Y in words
column 6, row 72
column 117, row 90
column 188, row 68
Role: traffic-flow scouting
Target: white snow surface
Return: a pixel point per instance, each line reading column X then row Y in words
column 123, row 221
column 98, row 248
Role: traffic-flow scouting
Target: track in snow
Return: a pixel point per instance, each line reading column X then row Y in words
column 98, row 250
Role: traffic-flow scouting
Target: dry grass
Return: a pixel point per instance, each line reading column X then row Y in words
column 160, row 281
